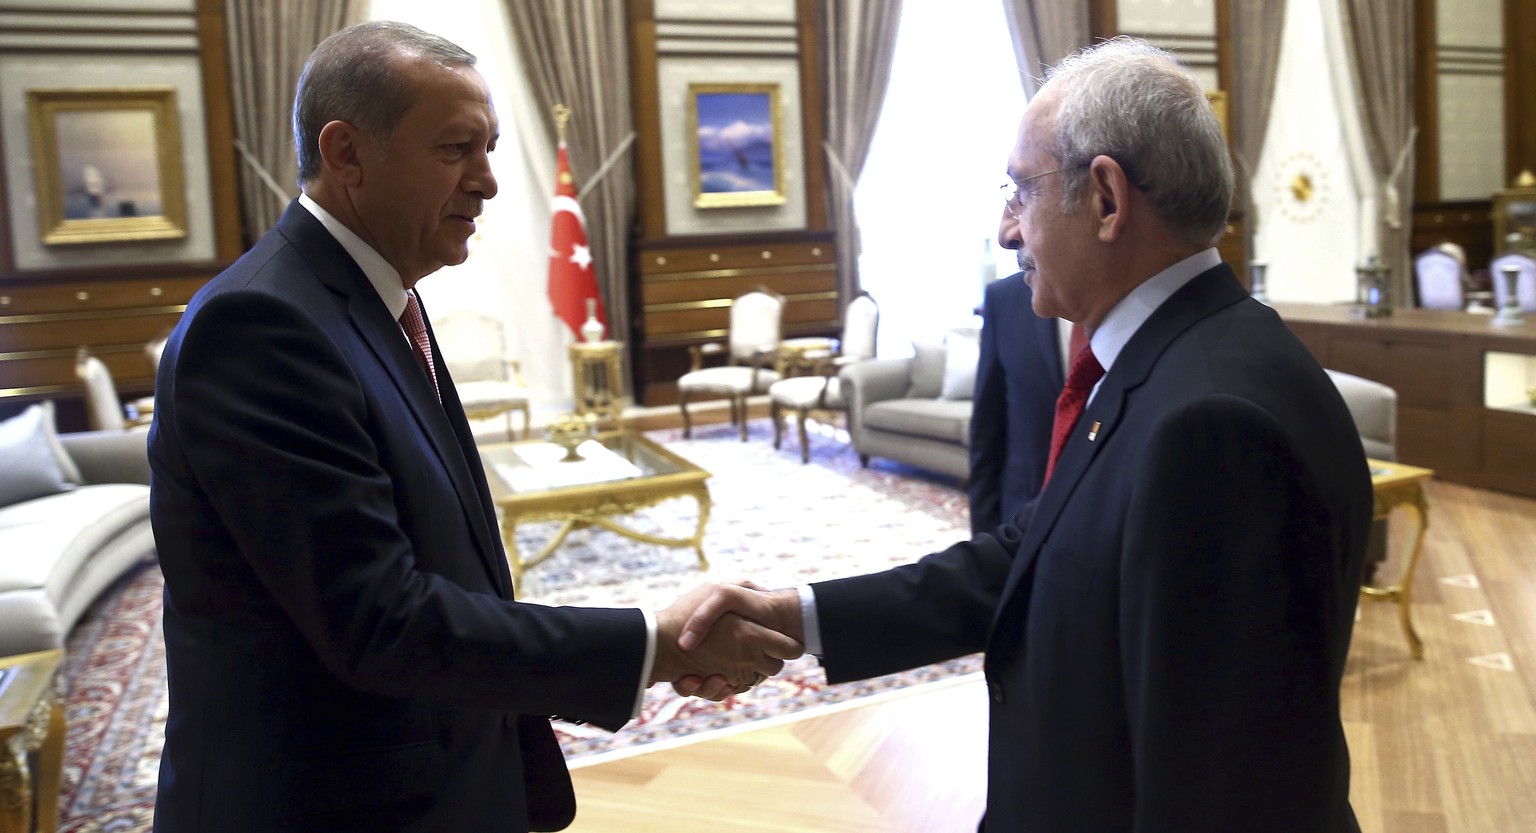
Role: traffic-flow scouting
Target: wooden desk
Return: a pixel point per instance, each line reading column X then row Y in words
column 1394, row 485
column 31, row 742
column 1460, row 382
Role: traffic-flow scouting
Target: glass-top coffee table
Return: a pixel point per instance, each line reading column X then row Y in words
column 620, row 472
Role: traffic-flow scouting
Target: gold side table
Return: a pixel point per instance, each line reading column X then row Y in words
column 1394, row 485
column 31, row 742
column 598, row 379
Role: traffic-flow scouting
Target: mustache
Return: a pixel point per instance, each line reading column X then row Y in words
column 470, row 210
column 1025, row 260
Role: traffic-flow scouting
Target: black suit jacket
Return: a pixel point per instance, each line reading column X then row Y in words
column 342, row 646
column 1166, row 636
column 1018, row 377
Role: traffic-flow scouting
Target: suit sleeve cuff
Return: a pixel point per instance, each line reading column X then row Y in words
column 811, row 622
column 650, row 659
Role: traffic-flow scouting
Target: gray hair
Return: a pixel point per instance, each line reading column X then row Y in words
column 356, row 76
column 1136, row 104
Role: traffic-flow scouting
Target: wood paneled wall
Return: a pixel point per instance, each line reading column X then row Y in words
column 683, row 283
column 47, row 314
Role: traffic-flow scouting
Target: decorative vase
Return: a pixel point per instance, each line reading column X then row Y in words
column 592, row 329
column 569, row 432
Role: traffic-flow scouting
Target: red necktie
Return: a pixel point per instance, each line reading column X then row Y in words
column 1085, row 373
column 415, row 326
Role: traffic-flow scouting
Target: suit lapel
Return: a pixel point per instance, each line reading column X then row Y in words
column 443, row 424
column 1208, row 292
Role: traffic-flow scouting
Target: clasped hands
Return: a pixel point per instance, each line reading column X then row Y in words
column 721, row 639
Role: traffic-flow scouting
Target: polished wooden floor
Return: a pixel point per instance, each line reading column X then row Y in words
column 1446, row 744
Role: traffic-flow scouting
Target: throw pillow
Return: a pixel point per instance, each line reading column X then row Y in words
column 927, row 371
column 66, row 462
column 28, row 458
column 962, row 349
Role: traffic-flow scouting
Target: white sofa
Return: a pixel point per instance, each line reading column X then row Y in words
column 60, row 549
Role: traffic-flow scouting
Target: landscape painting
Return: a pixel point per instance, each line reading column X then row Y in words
column 737, row 154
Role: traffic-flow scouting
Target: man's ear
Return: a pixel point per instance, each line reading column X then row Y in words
column 1108, row 192
column 341, row 150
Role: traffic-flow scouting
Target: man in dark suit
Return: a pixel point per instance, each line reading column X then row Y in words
column 342, row 645
column 1165, row 634
column 1018, row 374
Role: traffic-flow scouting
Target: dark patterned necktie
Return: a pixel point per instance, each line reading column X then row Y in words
column 1085, row 373
column 415, row 326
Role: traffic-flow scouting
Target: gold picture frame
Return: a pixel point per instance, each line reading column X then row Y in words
column 107, row 164
column 737, row 142
column 1514, row 216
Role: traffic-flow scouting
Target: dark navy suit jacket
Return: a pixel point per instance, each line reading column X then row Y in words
column 1165, row 637
column 341, row 641
column 1018, row 377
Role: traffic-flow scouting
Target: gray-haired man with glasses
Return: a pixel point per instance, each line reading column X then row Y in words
column 1165, row 634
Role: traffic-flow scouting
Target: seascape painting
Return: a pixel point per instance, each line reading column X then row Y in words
column 736, row 139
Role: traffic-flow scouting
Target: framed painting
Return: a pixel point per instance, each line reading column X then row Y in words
column 737, row 136
column 107, row 164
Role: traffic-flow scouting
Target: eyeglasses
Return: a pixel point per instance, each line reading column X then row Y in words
column 1014, row 190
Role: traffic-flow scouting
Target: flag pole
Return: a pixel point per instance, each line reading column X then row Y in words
column 562, row 115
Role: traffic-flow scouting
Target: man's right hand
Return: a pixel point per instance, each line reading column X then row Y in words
column 731, row 651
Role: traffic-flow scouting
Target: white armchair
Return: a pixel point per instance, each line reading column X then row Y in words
column 1440, row 273
column 756, row 325
column 104, row 411
column 489, row 383
column 821, row 392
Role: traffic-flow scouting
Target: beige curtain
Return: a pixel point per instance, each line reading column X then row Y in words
column 858, row 42
column 1378, row 35
column 576, row 53
column 269, row 40
column 1257, row 26
column 1044, row 32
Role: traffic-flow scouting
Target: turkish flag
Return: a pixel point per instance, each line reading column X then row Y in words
column 571, row 280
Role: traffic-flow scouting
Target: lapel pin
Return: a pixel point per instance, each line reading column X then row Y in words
column 1093, row 431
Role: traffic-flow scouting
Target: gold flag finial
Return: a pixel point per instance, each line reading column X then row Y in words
column 562, row 115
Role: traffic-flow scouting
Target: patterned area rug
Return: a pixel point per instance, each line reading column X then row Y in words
column 773, row 520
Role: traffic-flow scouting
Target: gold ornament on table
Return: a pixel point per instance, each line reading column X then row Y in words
column 571, row 431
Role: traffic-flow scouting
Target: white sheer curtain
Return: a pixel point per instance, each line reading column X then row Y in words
column 928, row 200
column 509, row 254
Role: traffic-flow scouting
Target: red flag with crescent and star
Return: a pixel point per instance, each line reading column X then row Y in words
column 571, row 279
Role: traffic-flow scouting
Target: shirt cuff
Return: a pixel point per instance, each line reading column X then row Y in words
column 650, row 659
column 811, row 623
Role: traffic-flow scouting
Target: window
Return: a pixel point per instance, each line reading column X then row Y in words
column 927, row 199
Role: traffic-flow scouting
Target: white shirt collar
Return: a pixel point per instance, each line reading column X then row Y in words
column 1134, row 309
column 385, row 278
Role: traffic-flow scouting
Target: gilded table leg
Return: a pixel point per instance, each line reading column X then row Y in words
column 509, row 543
column 50, row 769
column 701, row 494
column 15, row 787
column 1405, row 583
column 1411, row 496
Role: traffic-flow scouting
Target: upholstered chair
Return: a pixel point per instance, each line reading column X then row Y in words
column 1441, row 277
column 103, row 409
column 489, row 383
column 1525, row 284
column 821, row 392
column 749, row 353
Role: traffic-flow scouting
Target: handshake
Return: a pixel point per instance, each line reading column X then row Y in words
column 721, row 639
